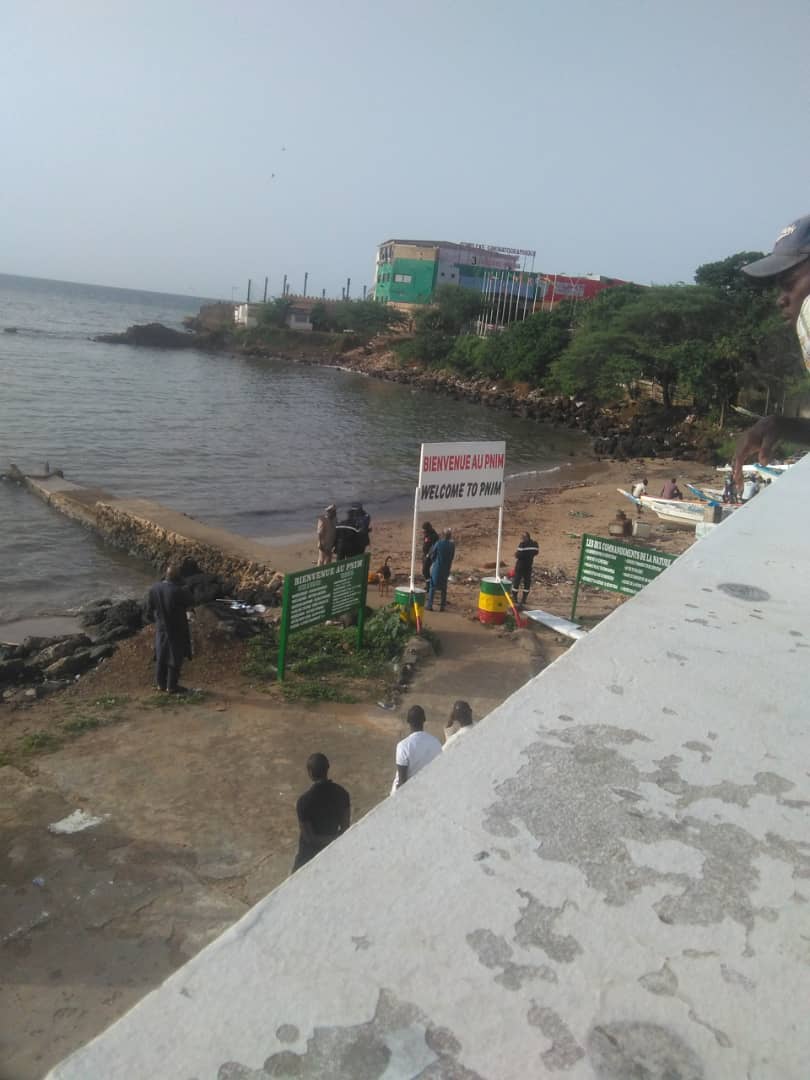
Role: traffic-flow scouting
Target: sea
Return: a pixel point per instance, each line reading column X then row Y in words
column 257, row 446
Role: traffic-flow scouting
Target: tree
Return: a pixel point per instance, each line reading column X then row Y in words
column 275, row 312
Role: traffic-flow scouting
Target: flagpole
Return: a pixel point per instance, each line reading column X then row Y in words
column 500, row 534
column 413, row 536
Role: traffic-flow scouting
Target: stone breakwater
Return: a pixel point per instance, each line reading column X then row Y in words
column 239, row 567
column 245, row 578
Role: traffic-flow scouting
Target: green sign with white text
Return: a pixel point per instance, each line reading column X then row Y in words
column 323, row 592
column 617, row 567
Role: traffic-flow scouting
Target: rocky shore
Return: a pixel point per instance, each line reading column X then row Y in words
column 622, row 432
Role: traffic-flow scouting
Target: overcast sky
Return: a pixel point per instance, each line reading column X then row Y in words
column 186, row 146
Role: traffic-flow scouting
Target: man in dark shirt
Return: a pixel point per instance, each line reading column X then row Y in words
column 524, row 560
column 166, row 606
column 324, row 811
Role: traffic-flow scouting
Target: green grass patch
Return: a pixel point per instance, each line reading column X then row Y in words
column 171, row 701
column 315, row 690
column 37, row 741
column 5, row 759
column 111, row 701
column 78, row 724
column 322, row 658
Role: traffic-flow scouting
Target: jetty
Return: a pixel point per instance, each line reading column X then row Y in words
column 158, row 534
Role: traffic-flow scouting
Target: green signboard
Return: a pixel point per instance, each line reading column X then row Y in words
column 617, row 567
column 324, row 592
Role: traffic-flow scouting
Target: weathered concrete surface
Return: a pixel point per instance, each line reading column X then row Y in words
column 609, row 877
column 157, row 534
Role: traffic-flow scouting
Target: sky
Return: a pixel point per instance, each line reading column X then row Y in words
column 186, row 146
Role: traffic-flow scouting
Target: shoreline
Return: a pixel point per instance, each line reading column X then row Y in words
column 539, row 500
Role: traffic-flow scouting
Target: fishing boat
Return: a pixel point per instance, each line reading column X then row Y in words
column 774, row 469
column 672, row 511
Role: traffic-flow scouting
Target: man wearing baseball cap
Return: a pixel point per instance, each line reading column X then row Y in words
column 788, row 268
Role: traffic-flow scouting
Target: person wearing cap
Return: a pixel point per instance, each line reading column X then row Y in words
column 788, row 268
column 327, row 531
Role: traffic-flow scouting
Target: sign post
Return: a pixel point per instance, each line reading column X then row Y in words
column 616, row 567
column 312, row 596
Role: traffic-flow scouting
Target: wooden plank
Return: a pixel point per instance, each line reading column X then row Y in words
column 556, row 623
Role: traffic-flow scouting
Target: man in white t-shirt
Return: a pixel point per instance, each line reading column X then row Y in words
column 415, row 750
column 461, row 720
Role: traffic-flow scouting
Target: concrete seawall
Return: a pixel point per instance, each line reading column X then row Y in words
column 158, row 535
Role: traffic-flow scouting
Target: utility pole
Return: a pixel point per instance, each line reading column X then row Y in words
column 364, row 291
column 248, row 295
column 284, row 286
column 323, row 294
column 343, row 293
column 348, row 287
column 306, row 279
column 266, row 282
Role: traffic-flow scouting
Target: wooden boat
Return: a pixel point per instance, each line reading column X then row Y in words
column 673, row 511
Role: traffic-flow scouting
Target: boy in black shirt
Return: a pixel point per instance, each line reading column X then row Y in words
column 324, row 811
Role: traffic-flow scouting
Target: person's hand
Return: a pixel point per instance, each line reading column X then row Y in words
column 758, row 441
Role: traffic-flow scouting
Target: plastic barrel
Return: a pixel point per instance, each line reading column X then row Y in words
column 411, row 604
column 492, row 602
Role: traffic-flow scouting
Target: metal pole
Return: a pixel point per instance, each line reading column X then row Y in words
column 248, row 295
column 498, row 549
column 284, row 286
column 365, row 289
column 348, row 287
column 306, row 279
column 264, row 298
column 526, row 298
column 500, row 299
column 413, row 536
column 323, row 294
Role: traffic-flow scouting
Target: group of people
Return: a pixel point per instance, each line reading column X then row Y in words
column 438, row 553
column 324, row 810
column 345, row 538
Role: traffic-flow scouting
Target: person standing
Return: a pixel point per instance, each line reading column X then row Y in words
column 527, row 549
column 640, row 488
column 441, row 560
column 415, row 751
column 460, row 721
column 327, row 532
column 429, row 538
column 324, row 812
column 787, row 268
column 167, row 605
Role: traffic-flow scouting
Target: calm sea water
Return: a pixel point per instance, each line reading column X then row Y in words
column 256, row 446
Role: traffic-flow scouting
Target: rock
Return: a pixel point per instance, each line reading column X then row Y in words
column 33, row 645
column 101, row 652
column 13, row 671
column 117, row 633
column 127, row 613
column 52, row 686
column 70, row 665
column 92, row 614
column 152, row 336
column 62, row 648
column 417, row 649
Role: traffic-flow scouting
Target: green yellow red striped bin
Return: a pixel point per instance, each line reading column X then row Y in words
column 411, row 604
column 492, row 602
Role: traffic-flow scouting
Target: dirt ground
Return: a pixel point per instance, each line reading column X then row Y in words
column 196, row 799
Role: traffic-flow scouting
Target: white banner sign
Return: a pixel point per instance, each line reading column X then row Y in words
column 460, row 476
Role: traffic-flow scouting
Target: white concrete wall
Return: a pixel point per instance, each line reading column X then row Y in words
column 609, row 877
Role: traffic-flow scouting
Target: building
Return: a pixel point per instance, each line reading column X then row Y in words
column 408, row 272
column 559, row 288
